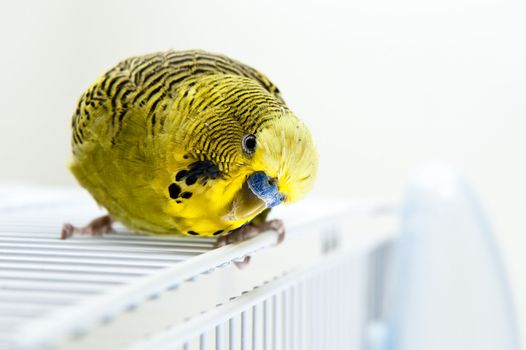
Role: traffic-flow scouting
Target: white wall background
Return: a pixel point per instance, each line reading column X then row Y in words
column 384, row 85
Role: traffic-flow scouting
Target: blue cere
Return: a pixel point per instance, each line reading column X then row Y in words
column 265, row 188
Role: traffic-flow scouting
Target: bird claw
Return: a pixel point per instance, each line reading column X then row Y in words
column 241, row 264
column 248, row 231
column 251, row 230
column 97, row 227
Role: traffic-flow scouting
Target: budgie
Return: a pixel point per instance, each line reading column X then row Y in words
column 189, row 142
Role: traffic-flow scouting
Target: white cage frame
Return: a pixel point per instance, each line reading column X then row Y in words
column 325, row 290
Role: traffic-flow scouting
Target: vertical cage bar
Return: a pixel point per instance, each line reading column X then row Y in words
column 244, row 330
column 301, row 314
column 291, row 310
column 315, row 331
column 219, row 337
column 332, row 309
column 314, row 314
column 323, row 309
column 295, row 317
column 316, row 326
column 255, row 325
column 319, row 317
column 232, row 341
column 274, row 322
column 266, row 325
column 203, row 341
column 328, row 309
column 307, row 314
column 347, row 308
column 339, row 298
column 284, row 321
column 346, row 297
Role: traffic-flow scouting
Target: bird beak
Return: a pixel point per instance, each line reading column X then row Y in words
column 258, row 192
column 245, row 205
column 265, row 188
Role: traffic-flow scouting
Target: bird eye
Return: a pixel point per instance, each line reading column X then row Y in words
column 249, row 143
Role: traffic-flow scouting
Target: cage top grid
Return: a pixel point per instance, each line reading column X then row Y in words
column 50, row 288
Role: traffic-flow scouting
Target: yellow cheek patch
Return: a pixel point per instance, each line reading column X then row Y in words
column 286, row 151
column 199, row 206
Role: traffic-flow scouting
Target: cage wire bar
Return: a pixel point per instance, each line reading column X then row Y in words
column 318, row 290
column 305, row 310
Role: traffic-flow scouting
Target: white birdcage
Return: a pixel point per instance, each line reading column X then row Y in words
column 315, row 291
column 348, row 276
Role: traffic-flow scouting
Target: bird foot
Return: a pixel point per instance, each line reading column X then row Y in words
column 248, row 231
column 97, row 227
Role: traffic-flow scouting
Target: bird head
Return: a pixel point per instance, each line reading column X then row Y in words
column 265, row 154
column 281, row 164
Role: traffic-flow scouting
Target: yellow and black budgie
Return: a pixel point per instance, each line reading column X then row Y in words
column 188, row 142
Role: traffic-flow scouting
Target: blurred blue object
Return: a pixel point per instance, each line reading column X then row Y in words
column 448, row 289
